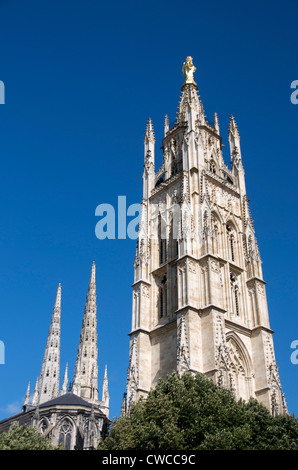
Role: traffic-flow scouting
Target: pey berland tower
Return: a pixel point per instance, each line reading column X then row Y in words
column 199, row 299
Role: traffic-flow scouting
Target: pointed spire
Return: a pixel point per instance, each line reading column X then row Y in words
column 35, row 393
column 93, row 273
column 27, row 397
column 65, row 381
column 105, row 391
column 85, row 382
column 149, row 160
column 236, row 158
column 49, row 376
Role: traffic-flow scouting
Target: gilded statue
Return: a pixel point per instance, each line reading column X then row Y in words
column 188, row 70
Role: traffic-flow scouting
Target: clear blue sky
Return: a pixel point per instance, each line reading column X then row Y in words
column 81, row 79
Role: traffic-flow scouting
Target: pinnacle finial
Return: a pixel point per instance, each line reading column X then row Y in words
column 149, row 132
column 65, row 381
column 233, row 129
column 188, row 70
column 93, row 272
column 216, row 123
column 166, row 125
column 27, row 397
column 35, row 397
column 58, row 297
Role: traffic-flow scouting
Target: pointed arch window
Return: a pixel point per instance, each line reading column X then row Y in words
column 232, row 247
column 43, row 426
column 173, row 242
column 162, row 298
column 65, row 433
column 235, row 294
column 161, row 309
column 212, row 167
column 231, row 241
column 162, row 242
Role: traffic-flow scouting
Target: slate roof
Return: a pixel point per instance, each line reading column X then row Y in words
column 68, row 399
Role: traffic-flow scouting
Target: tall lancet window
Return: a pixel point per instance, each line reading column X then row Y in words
column 231, row 242
column 173, row 242
column 232, row 248
column 162, row 298
column 235, row 294
column 162, row 241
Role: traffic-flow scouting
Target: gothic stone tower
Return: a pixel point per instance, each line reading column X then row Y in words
column 199, row 300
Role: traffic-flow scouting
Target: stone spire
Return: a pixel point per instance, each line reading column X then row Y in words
column 85, row 382
column 236, row 158
column 149, row 160
column 49, row 376
column 65, row 381
column 27, row 397
column 105, row 390
column 234, row 140
column 216, row 123
column 35, row 394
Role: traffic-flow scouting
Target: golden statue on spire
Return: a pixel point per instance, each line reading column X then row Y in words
column 188, row 70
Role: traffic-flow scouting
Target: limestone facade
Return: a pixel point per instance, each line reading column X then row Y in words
column 199, row 298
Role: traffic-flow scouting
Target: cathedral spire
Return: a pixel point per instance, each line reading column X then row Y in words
column 85, row 382
column 49, row 375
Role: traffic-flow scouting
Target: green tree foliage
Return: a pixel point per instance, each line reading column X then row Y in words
column 21, row 438
column 191, row 413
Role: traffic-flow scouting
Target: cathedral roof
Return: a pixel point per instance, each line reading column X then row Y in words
column 66, row 399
